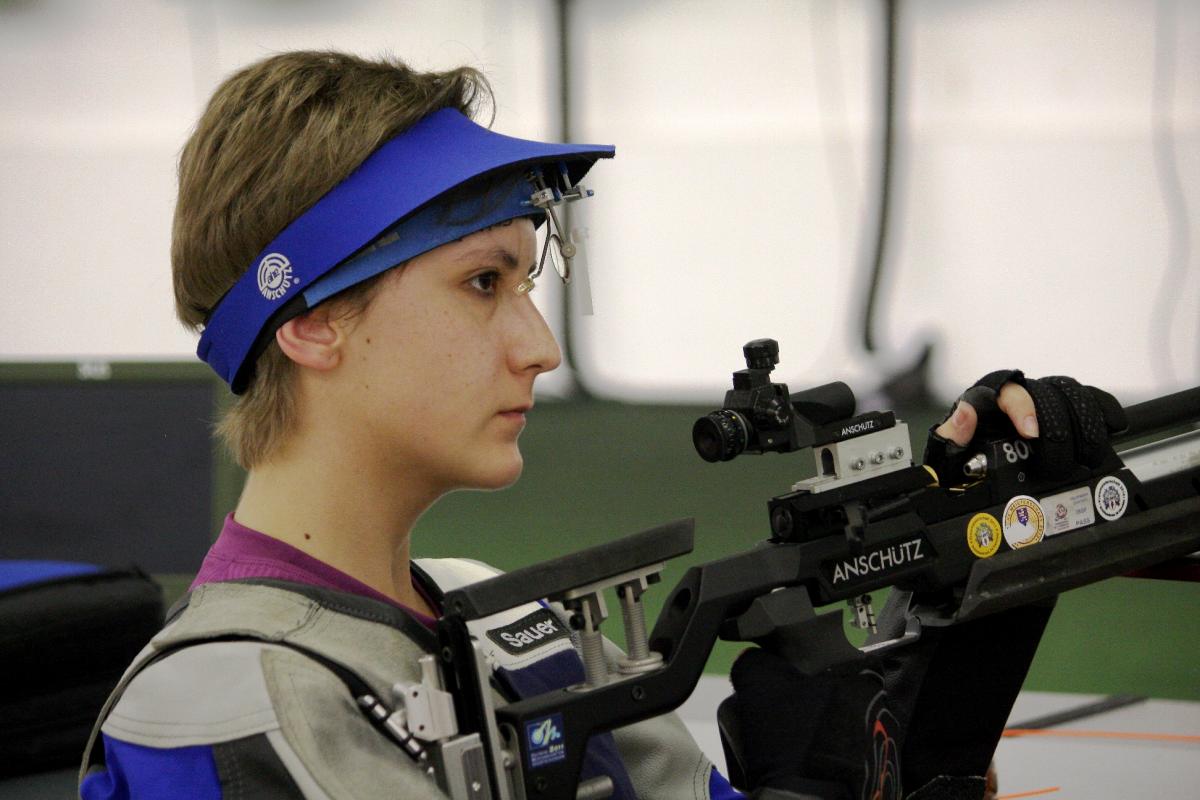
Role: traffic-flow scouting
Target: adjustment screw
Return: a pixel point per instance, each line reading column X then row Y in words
column 858, row 463
column 877, row 457
column 898, row 452
column 638, row 693
column 761, row 353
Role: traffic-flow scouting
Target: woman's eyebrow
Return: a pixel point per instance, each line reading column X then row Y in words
column 502, row 255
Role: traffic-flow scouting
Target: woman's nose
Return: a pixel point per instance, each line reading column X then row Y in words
column 533, row 346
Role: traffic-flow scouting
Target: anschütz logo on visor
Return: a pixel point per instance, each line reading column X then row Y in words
column 275, row 276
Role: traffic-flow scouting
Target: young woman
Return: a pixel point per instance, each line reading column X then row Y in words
column 359, row 256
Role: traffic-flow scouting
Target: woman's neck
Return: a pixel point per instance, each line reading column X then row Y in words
column 355, row 518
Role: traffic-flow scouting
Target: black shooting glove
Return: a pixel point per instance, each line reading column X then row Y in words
column 1074, row 421
column 828, row 736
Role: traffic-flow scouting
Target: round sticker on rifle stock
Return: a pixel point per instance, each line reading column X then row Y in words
column 983, row 535
column 1112, row 498
column 1024, row 522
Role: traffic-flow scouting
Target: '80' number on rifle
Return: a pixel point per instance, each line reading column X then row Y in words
column 1016, row 451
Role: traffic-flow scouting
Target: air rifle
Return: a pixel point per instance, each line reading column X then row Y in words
column 997, row 537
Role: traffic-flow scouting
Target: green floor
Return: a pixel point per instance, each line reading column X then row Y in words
column 597, row 470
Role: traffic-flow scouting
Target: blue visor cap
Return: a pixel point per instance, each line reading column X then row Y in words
column 308, row 261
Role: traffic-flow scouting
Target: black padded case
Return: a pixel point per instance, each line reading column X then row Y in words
column 64, row 644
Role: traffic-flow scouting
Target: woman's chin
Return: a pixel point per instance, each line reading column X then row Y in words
column 500, row 475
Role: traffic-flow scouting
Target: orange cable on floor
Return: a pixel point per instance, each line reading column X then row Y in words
column 1072, row 734
column 1034, row 793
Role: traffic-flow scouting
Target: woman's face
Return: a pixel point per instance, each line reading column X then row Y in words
column 440, row 366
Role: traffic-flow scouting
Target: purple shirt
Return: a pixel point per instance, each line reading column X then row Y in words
column 242, row 552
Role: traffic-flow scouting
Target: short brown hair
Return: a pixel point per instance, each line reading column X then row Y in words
column 275, row 137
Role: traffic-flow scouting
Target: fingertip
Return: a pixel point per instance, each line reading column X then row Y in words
column 1016, row 401
column 1029, row 427
column 961, row 416
column 960, row 427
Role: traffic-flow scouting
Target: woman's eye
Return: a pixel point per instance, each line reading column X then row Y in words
column 486, row 282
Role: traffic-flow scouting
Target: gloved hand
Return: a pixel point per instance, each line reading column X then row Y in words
column 828, row 736
column 1068, row 424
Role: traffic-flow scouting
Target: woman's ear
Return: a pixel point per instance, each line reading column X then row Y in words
column 312, row 339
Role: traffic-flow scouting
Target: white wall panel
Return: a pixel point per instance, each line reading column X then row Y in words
column 732, row 209
column 1033, row 225
column 92, row 112
column 1029, row 226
